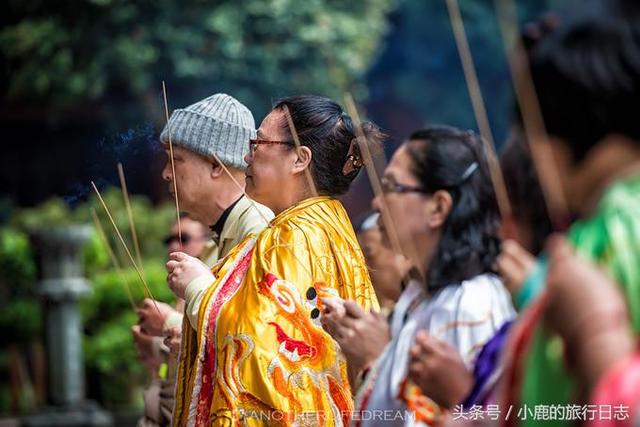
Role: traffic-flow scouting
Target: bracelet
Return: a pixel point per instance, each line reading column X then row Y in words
column 532, row 285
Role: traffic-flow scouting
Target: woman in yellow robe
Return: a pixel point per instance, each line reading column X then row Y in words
column 256, row 353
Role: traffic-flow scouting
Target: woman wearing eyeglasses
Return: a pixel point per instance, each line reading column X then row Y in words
column 259, row 355
column 441, row 203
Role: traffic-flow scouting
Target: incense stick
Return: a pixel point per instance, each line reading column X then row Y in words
column 374, row 179
column 173, row 166
column 115, row 227
column 253, row 204
column 479, row 109
column 533, row 123
column 112, row 255
column 132, row 226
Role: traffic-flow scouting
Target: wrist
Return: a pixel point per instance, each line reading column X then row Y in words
column 194, row 287
column 193, row 297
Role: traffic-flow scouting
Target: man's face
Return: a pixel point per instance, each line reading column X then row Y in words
column 193, row 238
column 193, row 178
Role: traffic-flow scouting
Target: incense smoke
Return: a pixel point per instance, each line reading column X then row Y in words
column 134, row 148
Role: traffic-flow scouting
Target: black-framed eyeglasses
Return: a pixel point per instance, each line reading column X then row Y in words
column 253, row 143
column 390, row 186
column 175, row 238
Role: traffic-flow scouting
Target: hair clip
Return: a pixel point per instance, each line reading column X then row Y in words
column 467, row 173
column 354, row 160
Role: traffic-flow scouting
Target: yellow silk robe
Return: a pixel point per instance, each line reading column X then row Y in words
column 260, row 356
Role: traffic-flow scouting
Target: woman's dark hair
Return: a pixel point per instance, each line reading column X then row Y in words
column 587, row 77
column 446, row 158
column 525, row 193
column 324, row 127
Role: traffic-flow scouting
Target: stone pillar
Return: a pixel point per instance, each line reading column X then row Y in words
column 59, row 253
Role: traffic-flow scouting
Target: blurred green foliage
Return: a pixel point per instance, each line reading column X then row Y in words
column 110, row 356
column 109, row 351
column 19, row 312
column 64, row 53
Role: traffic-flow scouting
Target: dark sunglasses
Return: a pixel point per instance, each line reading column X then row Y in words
column 174, row 238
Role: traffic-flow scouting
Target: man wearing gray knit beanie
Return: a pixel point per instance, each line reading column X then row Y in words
column 216, row 127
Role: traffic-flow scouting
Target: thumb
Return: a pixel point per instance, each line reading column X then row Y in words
column 177, row 256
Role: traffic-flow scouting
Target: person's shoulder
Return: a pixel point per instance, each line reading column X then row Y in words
column 299, row 224
column 318, row 221
column 486, row 294
column 253, row 216
column 481, row 283
column 474, row 295
column 324, row 215
column 329, row 206
column 483, row 288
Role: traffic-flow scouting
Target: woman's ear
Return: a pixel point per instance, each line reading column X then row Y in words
column 302, row 159
column 439, row 208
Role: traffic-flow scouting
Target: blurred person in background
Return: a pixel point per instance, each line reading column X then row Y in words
column 529, row 226
column 440, row 198
column 388, row 271
column 586, row 74
column 149, row 334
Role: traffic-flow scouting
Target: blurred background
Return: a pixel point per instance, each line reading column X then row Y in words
column 81, row 89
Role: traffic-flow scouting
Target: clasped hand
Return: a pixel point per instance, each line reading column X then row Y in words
column 183, row 269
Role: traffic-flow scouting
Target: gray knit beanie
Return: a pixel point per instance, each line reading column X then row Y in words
column 218, row 124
